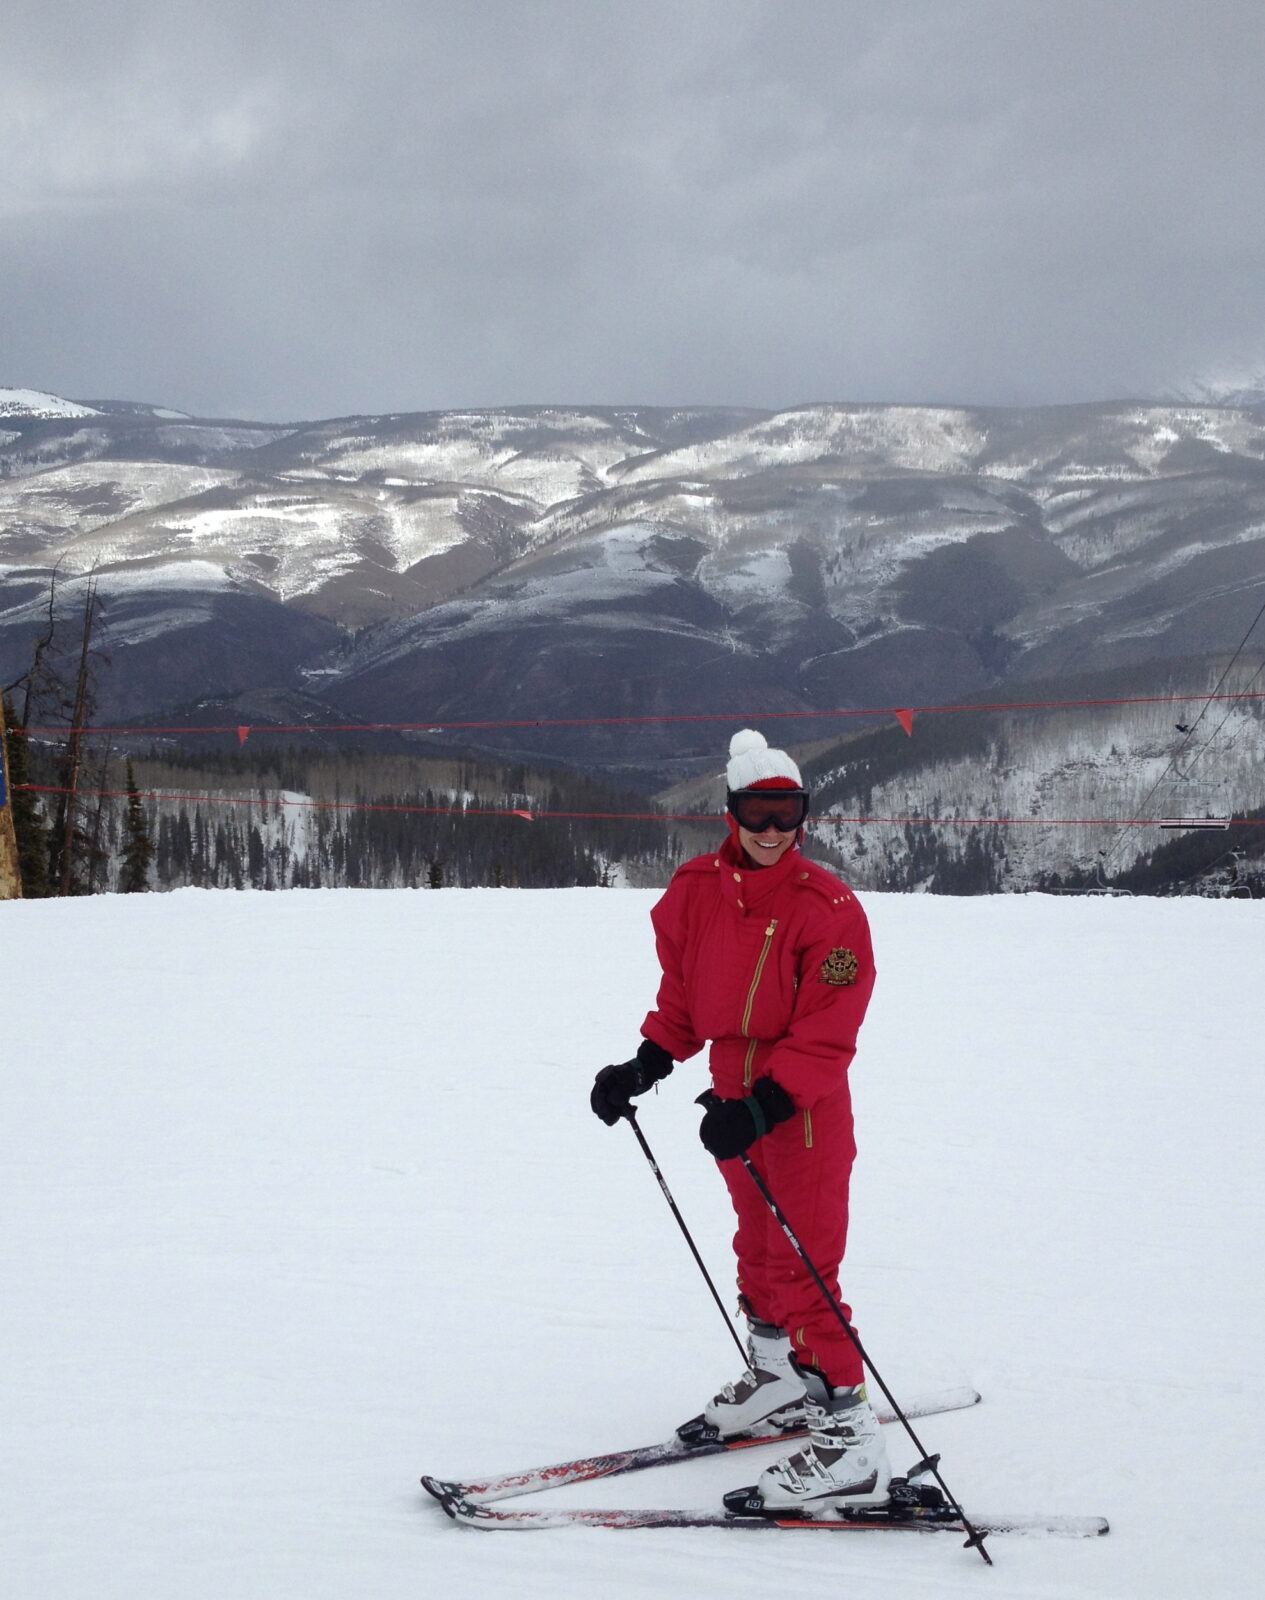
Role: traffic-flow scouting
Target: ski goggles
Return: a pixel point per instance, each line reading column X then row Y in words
column 755, row 809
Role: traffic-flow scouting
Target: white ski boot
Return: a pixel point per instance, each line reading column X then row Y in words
column 769, row 1397
column 845, row 1463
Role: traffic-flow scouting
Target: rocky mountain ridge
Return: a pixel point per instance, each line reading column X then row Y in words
column 556, row 564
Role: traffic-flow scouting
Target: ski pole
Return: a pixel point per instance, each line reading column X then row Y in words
column 631, row 1115
column 926, row 1463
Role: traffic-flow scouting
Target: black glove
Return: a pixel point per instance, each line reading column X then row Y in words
column 614, row 1087
column 731, row 1126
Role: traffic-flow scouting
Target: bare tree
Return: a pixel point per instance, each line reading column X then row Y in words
column 40, row 683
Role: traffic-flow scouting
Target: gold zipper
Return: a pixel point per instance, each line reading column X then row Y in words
column 746, row 1015
column 746, row 1065
column 808, row 1129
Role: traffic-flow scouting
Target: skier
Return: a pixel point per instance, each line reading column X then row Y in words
column 767, row 955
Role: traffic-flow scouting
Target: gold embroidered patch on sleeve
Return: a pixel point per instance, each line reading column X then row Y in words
column 840, row 967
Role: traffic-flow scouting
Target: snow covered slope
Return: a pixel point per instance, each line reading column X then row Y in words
column 35, row 403
column 565, row 562
column 303, row 1198
column 1120, row 769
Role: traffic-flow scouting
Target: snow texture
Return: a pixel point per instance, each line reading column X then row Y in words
column 303, row 1198
column 912, row 438
column 89, row 495
column 358, row 502
column 35, row 403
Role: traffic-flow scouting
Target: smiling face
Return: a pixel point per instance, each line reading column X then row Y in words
column 766, row 848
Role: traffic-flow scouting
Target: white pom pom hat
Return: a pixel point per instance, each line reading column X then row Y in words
column 752, row 763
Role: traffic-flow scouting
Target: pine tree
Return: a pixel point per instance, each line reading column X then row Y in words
column 138, row 846
column 70, row 864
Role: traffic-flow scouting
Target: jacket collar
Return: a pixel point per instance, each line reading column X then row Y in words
column 749, row 889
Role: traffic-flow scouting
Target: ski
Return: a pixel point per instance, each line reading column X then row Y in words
column 700, row 1441
column 902, row 1519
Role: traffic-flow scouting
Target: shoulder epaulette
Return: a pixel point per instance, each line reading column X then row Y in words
column 823, row 884
column 707, row 863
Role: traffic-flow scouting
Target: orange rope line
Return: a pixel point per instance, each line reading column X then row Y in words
column 441, row 726
column 529, row 815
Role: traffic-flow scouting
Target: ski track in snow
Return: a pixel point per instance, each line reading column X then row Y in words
column 303, row 1198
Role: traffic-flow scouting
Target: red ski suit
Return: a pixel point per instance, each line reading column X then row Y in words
column 774, row 966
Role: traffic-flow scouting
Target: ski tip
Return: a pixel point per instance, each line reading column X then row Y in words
column 451, row 1501
column 468, row 1513
column 959, row 1398
column 1073, row 1527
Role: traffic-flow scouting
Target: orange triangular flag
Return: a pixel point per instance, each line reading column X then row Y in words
column 906, row 720
column 242, row 732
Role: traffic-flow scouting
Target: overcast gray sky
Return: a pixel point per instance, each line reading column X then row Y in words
column 270, row 209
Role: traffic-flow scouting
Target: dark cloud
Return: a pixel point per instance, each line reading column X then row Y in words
column 279, row 210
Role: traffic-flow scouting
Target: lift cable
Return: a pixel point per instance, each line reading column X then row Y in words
column 1131, row 826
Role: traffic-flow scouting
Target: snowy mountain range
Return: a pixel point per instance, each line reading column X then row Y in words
column 573, row 562
column 1241, row 385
